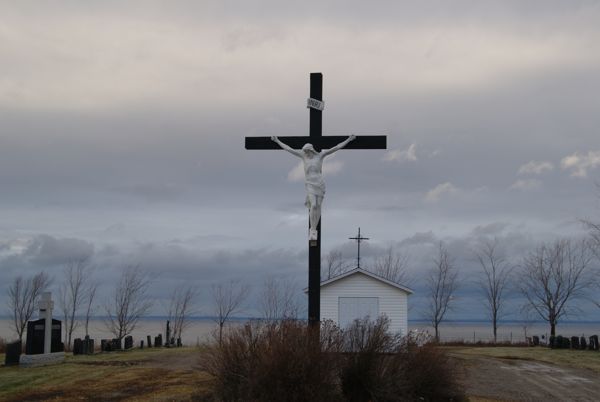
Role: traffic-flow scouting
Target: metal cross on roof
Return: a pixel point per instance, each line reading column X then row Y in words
column 358, row 239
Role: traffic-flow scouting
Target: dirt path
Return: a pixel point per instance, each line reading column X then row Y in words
column 497, row 379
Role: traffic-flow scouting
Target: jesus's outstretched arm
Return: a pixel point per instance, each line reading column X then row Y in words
column 339, row 146
column 286, row 147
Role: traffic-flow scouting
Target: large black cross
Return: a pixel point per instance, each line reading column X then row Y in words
column 315, row 104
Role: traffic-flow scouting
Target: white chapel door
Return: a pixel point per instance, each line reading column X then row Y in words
column 352, row 308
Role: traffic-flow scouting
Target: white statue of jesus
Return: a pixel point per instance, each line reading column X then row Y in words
column 313, row 178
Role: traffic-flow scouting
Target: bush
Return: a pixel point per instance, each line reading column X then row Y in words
column 289, row 361
column 265, row 362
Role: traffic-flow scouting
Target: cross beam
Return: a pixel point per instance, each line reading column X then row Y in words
column 319, row 142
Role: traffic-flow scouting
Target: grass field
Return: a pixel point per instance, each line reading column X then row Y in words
column 149, row 374
column 173, row 374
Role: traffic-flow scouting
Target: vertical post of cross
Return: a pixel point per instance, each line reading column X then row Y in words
column 314, row 247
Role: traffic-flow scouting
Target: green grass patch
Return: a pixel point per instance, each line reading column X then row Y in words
column 147, row 373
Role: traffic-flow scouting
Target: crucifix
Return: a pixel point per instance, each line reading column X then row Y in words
column 358, row 239
column 315, row 145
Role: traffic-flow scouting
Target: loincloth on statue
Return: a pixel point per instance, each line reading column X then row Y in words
column 315, row 187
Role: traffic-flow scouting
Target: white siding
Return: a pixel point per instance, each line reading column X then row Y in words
column 393, row 302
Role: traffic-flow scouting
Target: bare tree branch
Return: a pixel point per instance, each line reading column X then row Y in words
column 228, row 299
column 392, row 266
column 22, row 295
column 181, row 307
column 278, row 299
column 73, row 293
column 335, row 264
column 494, row 280
column 130, row 302
column 553, row 276
column 441, row 286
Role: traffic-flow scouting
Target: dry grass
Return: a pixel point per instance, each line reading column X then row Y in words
column 562, row 357
column 133, row 375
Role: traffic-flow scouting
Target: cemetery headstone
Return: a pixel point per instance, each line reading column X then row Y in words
column 142, row 344
column 116, row 344
column 149, row 339
column 77, row 346
column 575, row 342
column 582, row 343
column 179, row 344
column 13, row 353
column 88, row 346
column 536, row 340
column 594, row 342
column 168, row 334
column 128, row 342
column 158, row 341
column 105, row 345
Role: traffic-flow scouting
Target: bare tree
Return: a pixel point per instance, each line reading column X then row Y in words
column 181, row 307
column 73, row 293
column 441, row 286
column 228, row 299
column 392, row 266
column 278, row 299
column 90, row 301
column 129, row 302
column 554, row 275
column 22, row 295
column 335, row 264
column 493, row 281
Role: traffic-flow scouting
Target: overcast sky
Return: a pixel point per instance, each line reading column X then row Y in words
column 122, row 130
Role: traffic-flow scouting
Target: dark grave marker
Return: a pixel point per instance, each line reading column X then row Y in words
column 88, row 346
column 149, row 339
column 536, row 340
column 582, row 343
column 575, row 342
column 116, row 344
column 105, row 345
column 179, row 344
column 142, row 344
column 13, row 353
column 128, row 342
column 77, row 346
column 158, row 341
column 34, row 344
column 594, row 342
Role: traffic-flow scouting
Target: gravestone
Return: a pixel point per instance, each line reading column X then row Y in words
column 593, row 342
column 116, row 344
column 149, row 339
column 77, row 346
column 43, row 344
column 128, row 342
column 106, row 345
column 179, row 344
column 142, row 344
column 13, row 353
column 536, row 340
column 88, row 346
column 582, row 343
column 158, row 341
column 575, row 342
column 168, row 335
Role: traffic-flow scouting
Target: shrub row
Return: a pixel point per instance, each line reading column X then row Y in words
column 290, row 361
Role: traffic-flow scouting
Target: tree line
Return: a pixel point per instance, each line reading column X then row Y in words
column 550, row 278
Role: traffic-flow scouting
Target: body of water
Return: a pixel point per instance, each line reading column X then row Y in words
column 202, row 329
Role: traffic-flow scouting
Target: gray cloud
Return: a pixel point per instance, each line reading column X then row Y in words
column 122, row 131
